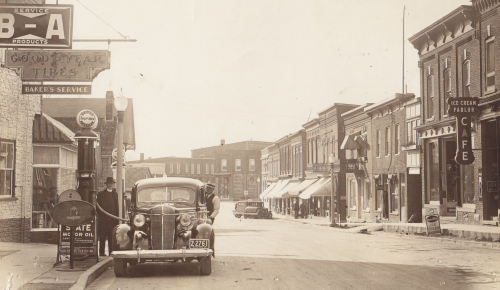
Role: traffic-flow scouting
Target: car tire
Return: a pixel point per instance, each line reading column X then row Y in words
column 245, row 216
column 270, row 216
column 206, row 265
column 120, row 267
column 260, row 215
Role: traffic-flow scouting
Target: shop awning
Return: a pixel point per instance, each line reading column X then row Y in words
column 299, row 188
column 285, row 189
column 278, row 187
column 350, row 142
column 321, row 187
column 268, row 189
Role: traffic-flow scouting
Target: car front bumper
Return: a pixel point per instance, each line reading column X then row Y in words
column 162, row 254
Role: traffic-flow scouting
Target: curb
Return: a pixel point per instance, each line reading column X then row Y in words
column 92, row 273
column 443, row 239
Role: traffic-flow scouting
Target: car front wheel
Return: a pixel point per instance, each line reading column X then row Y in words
column 120, row 267
column 206, row 265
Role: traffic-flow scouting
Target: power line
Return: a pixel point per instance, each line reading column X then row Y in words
column 100, row 18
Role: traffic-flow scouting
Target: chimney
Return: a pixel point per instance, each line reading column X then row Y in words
column 142, row 156
column 110, row 104
column 222, row 142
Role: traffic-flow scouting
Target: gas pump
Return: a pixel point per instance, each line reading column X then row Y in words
column 86, row 170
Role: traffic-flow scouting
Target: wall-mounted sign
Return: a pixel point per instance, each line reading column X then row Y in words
column 57, row 65
column 57, row 89
column 463, row 109
column 36, row 26
column 73, row 213
column 492, row 186
column 87, row 119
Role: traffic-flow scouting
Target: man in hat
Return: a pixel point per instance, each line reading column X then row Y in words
column 108, row 201
column 213, row 202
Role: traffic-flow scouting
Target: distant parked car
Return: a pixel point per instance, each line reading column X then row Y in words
column 256, row 209
column 168, row 222
column 239, row 208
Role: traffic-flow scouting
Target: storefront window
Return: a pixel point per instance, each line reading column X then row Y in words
column 45, row 193
column 433, row 170
column 402, row 182
column 6, row 168
column 352, row 194
column 394, row 195
column 467, row 183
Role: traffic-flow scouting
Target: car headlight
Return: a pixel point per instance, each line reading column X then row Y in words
column 139, row 220
column 185, row 220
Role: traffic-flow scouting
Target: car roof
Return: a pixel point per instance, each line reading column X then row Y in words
column 169, row 181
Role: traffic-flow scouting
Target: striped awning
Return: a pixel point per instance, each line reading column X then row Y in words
column 268, row 189
column 299, row 188
column 350, row 142
column 321, row 187
column 277, row 188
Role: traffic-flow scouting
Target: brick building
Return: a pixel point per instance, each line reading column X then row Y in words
column 202, row 169
column 450, row 66
column 388, row 123
column 17, row 113
column 237, row 168
column 357, row 146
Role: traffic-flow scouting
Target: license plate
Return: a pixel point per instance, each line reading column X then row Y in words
column 199, row 243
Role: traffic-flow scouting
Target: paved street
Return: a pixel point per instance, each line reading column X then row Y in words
column 281, row 254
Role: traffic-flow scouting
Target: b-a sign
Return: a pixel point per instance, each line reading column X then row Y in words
column 463, row 109
column 36, row 26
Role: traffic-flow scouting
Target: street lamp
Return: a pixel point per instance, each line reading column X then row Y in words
column 121, row 103
column 331, row 159
column 258, row 187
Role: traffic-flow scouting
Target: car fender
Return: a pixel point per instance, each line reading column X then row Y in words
column 122, row 237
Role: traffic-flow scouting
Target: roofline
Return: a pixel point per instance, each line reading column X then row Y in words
column 449, row 15
column 336, row 104
column 389, row 101
column 357, row 109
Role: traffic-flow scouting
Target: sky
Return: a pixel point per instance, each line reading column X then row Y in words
column 202, row 71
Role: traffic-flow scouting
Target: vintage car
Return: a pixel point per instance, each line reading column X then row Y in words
column 168, row 222
column 239, row 207
column 256, row 209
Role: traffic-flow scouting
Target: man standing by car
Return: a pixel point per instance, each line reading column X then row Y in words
column 108, row 201
column 213, row 202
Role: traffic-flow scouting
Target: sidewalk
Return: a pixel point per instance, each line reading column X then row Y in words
column 31, row 266
column 466, row 235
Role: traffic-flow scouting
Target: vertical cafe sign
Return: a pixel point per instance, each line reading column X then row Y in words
column 463, row 109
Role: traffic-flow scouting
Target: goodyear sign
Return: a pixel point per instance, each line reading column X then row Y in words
column 57, row 65
column 36, row 26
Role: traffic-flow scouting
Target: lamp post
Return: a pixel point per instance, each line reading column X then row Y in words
column 121, row 103
column 331, row 159
column 258, row 188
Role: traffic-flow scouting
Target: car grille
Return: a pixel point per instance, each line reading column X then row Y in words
column 162, row 227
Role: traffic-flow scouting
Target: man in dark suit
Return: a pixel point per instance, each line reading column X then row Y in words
column 108, row 201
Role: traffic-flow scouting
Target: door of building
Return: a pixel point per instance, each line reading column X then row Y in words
column 450, row 198
column 490, row 169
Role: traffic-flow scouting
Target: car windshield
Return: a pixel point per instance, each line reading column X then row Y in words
column 166, row 194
